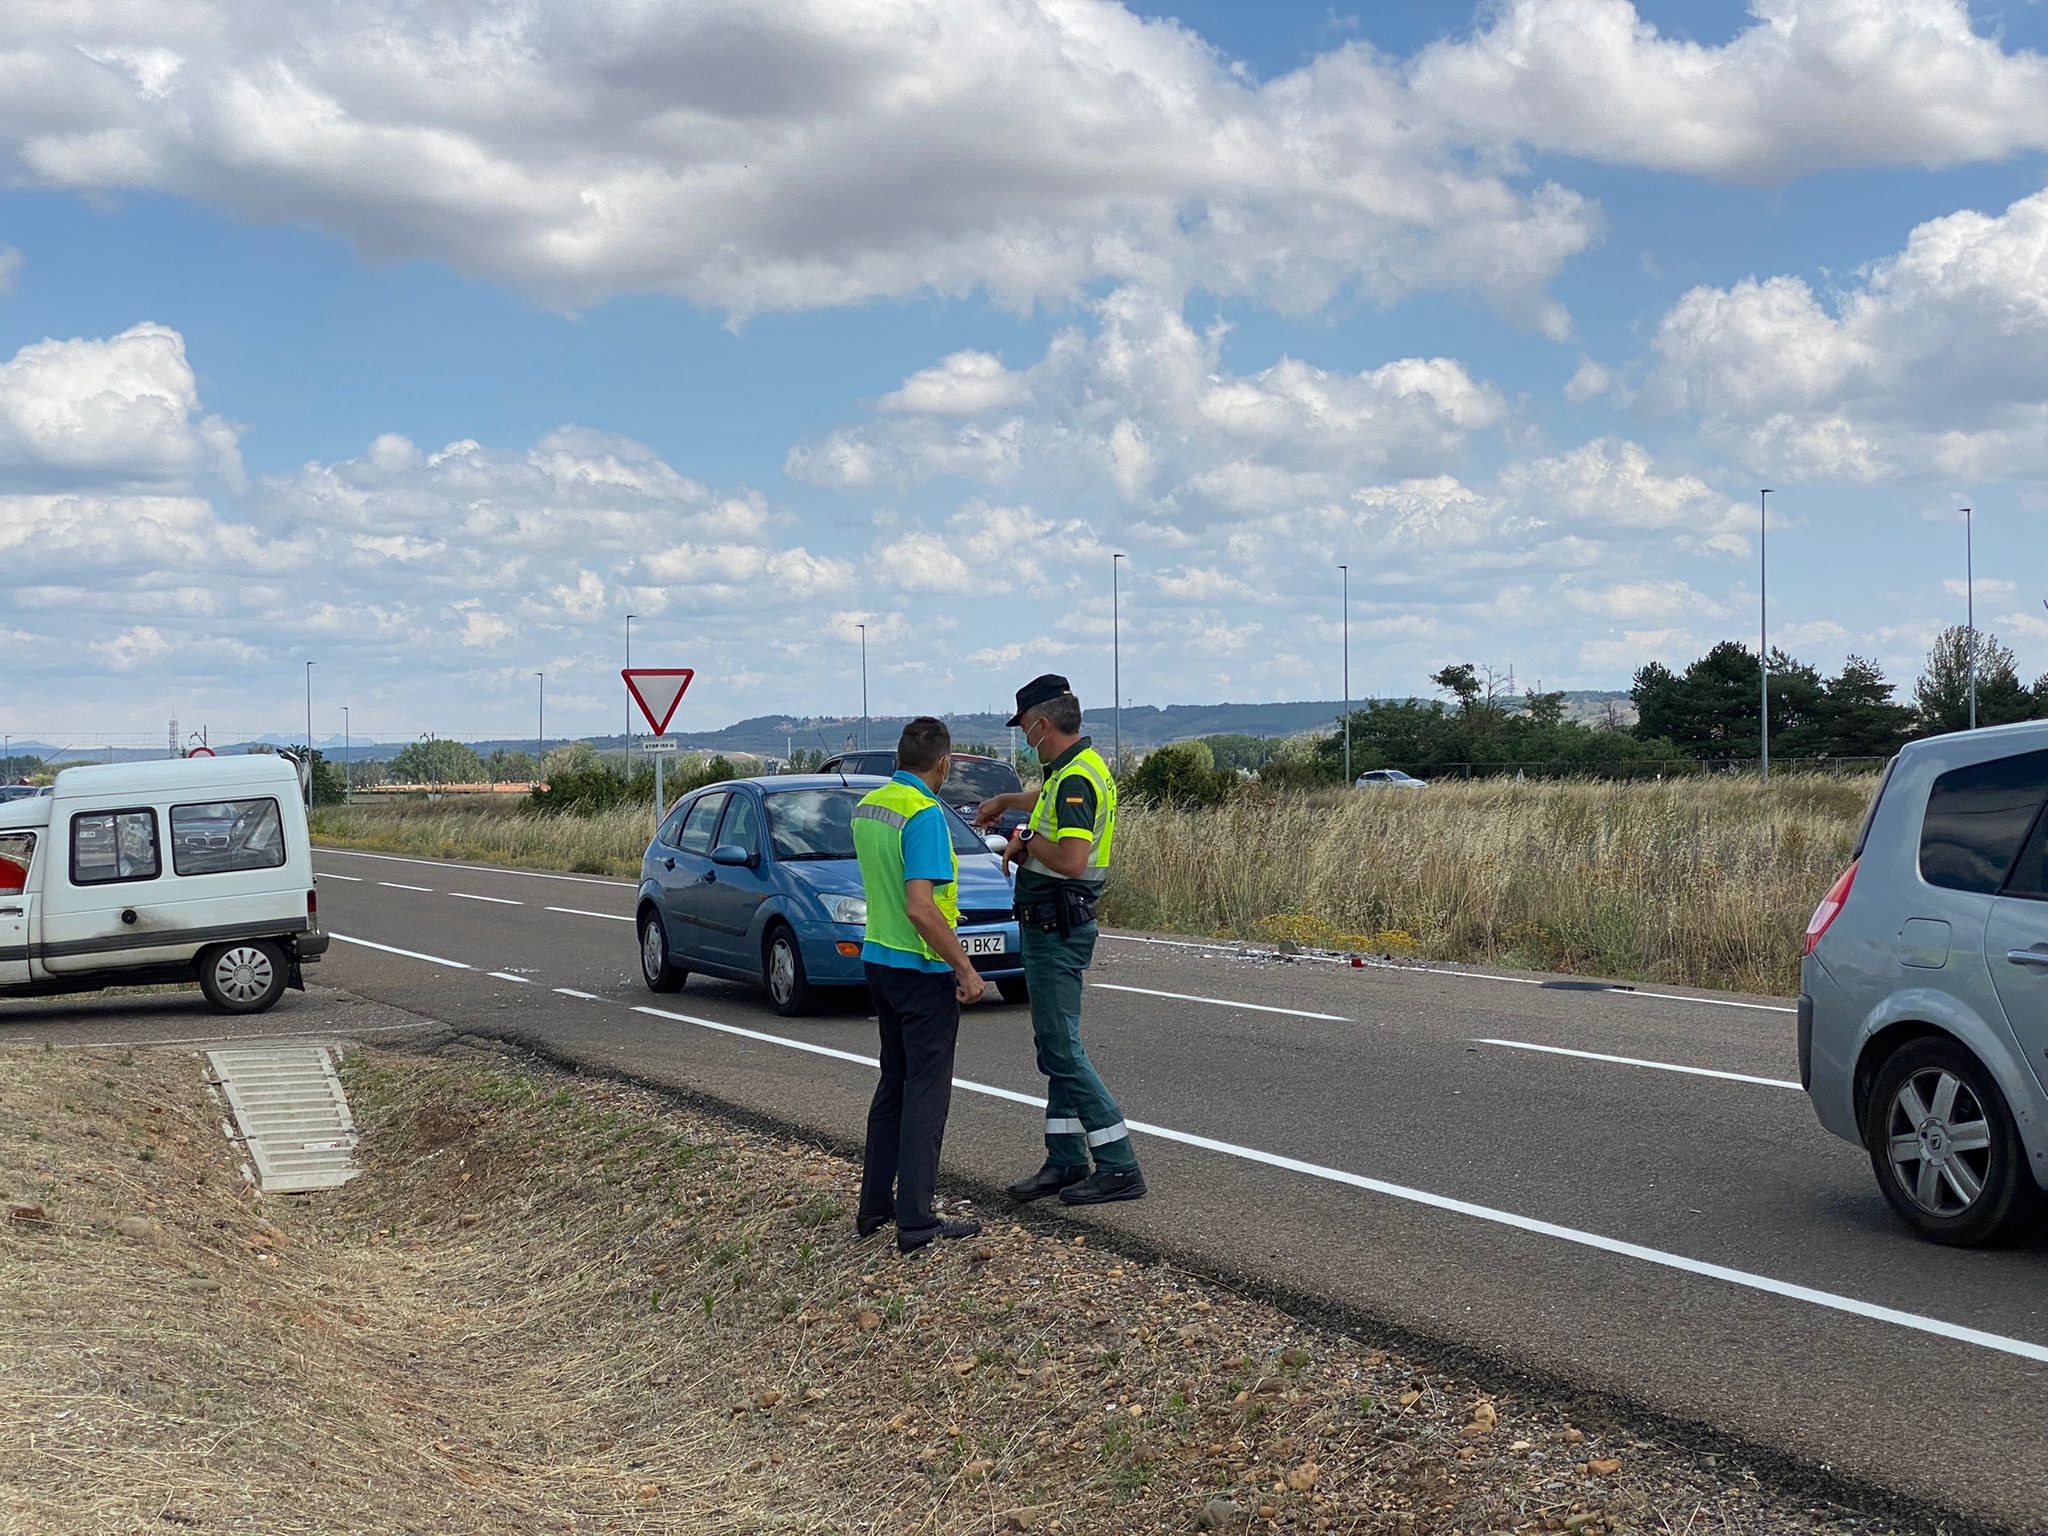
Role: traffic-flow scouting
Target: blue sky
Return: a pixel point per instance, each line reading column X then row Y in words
column 429, row 355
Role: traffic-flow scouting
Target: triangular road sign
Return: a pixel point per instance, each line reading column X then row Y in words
column 657, row 690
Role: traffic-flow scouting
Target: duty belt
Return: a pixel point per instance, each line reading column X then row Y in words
column 1062, row 912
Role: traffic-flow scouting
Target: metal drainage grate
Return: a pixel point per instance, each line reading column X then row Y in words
column 291, row 1113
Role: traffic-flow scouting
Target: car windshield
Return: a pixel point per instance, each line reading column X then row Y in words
column 818, row 824
column 977, row 778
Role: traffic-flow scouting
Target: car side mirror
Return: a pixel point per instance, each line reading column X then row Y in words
column 731, row 854
column 996, row 843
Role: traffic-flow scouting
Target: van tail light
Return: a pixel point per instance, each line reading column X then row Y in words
column 312, row 908
column 1830, row 908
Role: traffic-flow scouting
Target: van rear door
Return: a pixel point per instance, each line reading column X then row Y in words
column 17, row 853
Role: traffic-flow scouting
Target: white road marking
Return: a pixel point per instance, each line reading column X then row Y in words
column 1365, row 962
column 239, row 1040
column 330, row 875
column 1708, row 1002
column 612, row 917
column 1746, row 1279
column 1636, row 1061
column 496, row 901
column 524, row 981
column 410, row 954
column 588, row 997
column 1220, row 1002
column 393, row 885
column 323, row 851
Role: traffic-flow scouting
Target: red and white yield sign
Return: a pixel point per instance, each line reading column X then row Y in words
column 658, row 690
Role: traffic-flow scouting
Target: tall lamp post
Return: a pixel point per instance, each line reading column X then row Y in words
column 540, row 730
column 1346, row 717
column 309, row 733
column 629, row 697
column 863, row 685
column 1116, row 661
column 1970, row 602
column 1763, row 609
column 348, row 785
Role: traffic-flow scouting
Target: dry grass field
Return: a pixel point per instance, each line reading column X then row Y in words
column 557, row 1306
column 1697, row 881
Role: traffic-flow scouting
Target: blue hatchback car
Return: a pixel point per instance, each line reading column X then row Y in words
column 756, row 880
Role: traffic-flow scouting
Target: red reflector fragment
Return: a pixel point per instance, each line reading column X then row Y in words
column 1357, row 964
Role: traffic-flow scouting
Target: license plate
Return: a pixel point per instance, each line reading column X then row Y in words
column 982, row 943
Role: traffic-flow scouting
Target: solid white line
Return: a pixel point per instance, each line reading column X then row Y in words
column 496, row 901
column 330, row 875
column 1221, row 1002
column 486, row 869
column 579, row 912
column 524, row 981
column 1828, row 1300
column 1636, row 1061
column 588, row 997
column 393, row 885
column 1708, row 1002
column 410, row 954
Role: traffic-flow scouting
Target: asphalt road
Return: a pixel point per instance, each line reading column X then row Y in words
column 1623, row 1190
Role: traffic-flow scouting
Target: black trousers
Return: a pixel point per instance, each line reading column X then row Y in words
column 920, row 1020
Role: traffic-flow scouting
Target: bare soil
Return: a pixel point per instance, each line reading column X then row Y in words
column 554, row 1306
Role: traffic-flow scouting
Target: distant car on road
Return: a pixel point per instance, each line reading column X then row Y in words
column 1923, row 1014
column 974, row 778
column 22, row 791
column 1387, row 778
column 755, row 880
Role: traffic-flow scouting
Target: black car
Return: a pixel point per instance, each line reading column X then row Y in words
column 974, row 779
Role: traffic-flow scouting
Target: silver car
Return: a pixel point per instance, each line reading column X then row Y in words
column 1923, row 1019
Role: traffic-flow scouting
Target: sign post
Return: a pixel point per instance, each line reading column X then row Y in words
column 658, row 690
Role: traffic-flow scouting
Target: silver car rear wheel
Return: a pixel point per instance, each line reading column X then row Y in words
column 1939, row 1142
column 1945, row 1148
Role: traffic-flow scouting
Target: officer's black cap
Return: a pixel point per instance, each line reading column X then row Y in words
column 1040, row 690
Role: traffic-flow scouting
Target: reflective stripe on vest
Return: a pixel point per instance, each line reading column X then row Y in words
column 1045, row 820
column 878, row 825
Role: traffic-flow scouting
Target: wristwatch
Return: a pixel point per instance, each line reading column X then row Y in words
column 1025, row 834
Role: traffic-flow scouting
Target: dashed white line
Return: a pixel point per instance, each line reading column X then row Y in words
column 611, row 917
column 326, row 874
column 1221, row 1002
column 496, row 901
column 588, row 997
column 285, row 1034
column 393, row 885
column 392, row 949
column 1748, row 1280
column 1637, row 1061
column 524, row 981
column 487, row 869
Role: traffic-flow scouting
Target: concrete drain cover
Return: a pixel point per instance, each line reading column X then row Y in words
column 290, row 1112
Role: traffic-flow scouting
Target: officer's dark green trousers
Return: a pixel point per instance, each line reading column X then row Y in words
column 1080, row 1117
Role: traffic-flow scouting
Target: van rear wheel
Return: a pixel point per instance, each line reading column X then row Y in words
column 248, row 976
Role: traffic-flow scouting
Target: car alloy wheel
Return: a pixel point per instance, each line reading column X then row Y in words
column 653, row 950
column 782, row 970
column 1939, row 1141
column 243, row 973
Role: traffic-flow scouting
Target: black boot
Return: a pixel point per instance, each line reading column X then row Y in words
column 1049, row 1180
column 1102, row 1186
column 910, row 1242
column 868, row 1226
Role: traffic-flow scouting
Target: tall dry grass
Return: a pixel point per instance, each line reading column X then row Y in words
column 1707, row 882
column 1703, row 881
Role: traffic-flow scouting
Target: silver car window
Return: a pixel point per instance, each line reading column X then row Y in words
column 1978, row 819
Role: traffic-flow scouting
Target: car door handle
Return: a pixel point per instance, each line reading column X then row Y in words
column 10, row 911
column 668, row 863
column 2028, row 957
column 711, row 877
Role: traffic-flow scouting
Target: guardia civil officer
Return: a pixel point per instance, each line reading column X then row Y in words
column 1062, row 855
column 919, row 976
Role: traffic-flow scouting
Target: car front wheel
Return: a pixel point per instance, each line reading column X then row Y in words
column 657, row 969
column 1945, row 1148
column 246, row 977
column 789, row 989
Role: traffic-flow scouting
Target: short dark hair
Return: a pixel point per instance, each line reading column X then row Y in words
column 1063, row 714
column 924, row 743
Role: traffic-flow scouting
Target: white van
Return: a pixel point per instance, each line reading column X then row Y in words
column 192, row 869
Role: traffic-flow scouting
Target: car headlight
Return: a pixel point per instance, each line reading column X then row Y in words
column 847, row 909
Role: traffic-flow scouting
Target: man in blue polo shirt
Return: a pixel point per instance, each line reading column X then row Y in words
column 919, row 976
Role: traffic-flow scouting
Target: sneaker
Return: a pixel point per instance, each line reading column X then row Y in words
column 1102, row 1186
column 910, row 1242
column 1049, row 1180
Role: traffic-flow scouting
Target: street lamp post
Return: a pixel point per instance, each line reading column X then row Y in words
column 1116, row 661
column 1970, row 602
column 863, row 685
column 427, row 761
column 309, row 733
column 1763, row 609
column 540, row 733
column 1347, row 673
column 629, row 697
column 348, row 786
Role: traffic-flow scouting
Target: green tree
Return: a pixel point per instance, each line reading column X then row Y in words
column 328, row 786
column 508, row 766
column 1942, row 696
column 1183, row 774
column 1858, row 716
column 569, row 757
column 1236, row 752
column 1545, row 708
column 436, row 761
